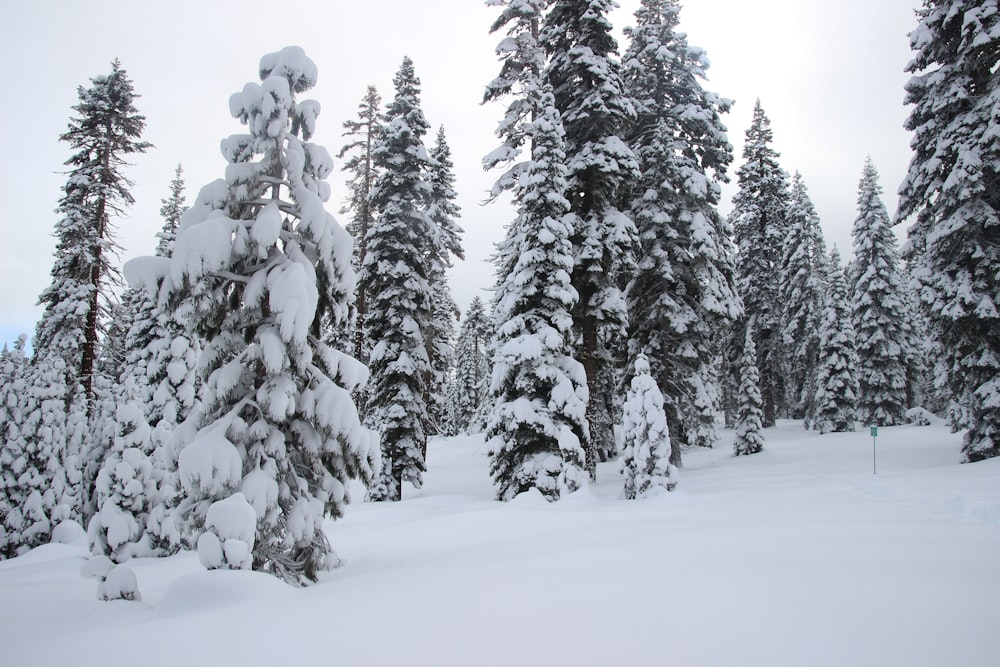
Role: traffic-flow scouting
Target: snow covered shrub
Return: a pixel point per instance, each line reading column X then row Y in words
column 119, row 584
column 227, row 543
column 114, row 582
column 645, row 460
column 125, row 489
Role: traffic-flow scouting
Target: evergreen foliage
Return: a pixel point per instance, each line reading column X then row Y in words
column 836, row 376
column 950, row 192
column 258, row 266
column 759, row 221
column 362, row 175
column 879, row 310
column 395, row 277
column 801, row 272
column 589, row 93
column 471, row 373
column 646, row 455
column 105, row 132
column 749, row 420
column 682, row 291
column 445, row 243
column 537, row 429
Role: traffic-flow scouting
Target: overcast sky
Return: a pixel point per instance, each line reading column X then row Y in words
column 829, row 75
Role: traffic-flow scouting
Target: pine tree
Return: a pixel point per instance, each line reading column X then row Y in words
column 836, row 377
column 13, row 365
column 362, row 176
column 105, row 132
column 258, row 266
column 395, row 277
column 749, row 420
column 589, row 93
column 646, row 452
column 154, row 392
column 682, row 291
column 879, row 310
column 537, row 429
column 801, row 274
column 471, row 376
column 759, row 223
column 446, row 242
column 951, row 190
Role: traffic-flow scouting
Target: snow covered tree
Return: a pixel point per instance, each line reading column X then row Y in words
column 258, row 265
column 13, row 364
column 362, row 175
column 878, row 309
column 951, row 191
column 801, row 271
column 34, row 478
column 645, row 459
column 446, row 242
column 682, row 291
column 395, row 277
column 759, row 224
column 749, row 420
column 585, row 76
column 104, row 134
column 836, row 376
column 151, row 396
column 537, row 429
column 471, row 373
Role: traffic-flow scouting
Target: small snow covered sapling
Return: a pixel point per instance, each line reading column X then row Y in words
column 645, row 461
column 114, row 582
column 227, row 543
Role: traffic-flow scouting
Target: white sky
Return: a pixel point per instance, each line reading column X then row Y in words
column 829, row 75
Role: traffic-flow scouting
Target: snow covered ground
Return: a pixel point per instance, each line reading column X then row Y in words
column 798, row 555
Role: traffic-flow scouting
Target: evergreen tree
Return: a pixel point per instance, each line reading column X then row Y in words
column 395, row 277
column 471, row 376
column 951, row 190
column 155, row 391
column 446, row 242
column 589, row 94
column 759, row 225
column 645, row 460
column 259, row 265
column 682, row 291
column 537, row 429
column 13, row 365
column 836, row 377
column 34, row 456
column 749, row 420
column 879, row 309
column 104, row 133
column 362, row 175
column 801, row 272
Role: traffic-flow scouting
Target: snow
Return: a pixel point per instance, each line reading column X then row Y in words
column 798, row 555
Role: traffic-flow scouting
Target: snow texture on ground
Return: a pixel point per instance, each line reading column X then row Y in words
column 799, row 555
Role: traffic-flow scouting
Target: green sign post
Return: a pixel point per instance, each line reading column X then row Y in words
column 874, row 459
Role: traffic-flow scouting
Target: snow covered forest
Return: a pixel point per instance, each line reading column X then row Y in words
column 219, row 403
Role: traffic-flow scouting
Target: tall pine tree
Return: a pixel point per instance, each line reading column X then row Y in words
column 537, row 429
column 260, row 265
column 585, row 76
column 836, row 376
column 951, row 191
column 362, row 175
column 759, row 224
column 395, row 277
column 879, row 309
column 103, row 135
column 682, row 292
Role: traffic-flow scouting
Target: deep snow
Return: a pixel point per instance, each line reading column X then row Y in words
column 798, row 555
